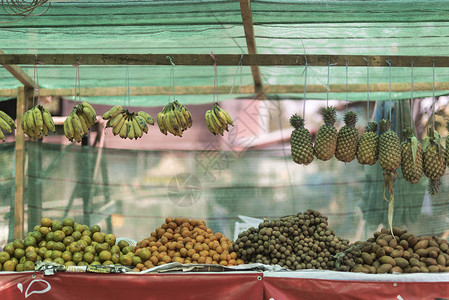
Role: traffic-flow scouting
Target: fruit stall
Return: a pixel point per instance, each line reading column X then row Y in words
column 224, row 149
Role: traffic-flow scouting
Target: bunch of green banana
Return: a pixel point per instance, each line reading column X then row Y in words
column 6, row 123
column 36, row 122
column 217, row 120
column 127, row 124
column 77, row 124
column 174, row 118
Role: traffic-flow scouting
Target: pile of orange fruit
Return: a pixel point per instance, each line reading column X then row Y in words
column 185, row 241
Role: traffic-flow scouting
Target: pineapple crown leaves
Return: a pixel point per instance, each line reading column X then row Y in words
column 371, row 127
column 433, row 138
column 296, row 121
column 350, row 118
column 329, row 115
column 385, row 125
column 447, row 126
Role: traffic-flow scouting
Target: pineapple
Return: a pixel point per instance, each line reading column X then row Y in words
column 301, row 141
column 347, row 138
column 368, row 146
column 411, row 152
column 390, row 160
column 389, row 147
column 447, row 144
column 326, row 139
column 434, row 160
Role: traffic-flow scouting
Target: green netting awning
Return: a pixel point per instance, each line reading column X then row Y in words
column 197, row 27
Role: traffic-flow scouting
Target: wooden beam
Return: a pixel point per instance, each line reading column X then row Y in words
column 23, row 96
column 226, row 60
column 245, row 89
column 247, row 18
column 19, row 74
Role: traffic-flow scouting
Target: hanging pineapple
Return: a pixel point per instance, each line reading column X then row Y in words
column 326, row 139
column 434, row 160
column 411, row 153
column 347, row 138
column 390, row 160
column 368, row 146
column 300, row 141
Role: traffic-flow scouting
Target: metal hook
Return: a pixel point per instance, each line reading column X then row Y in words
column 171, row 60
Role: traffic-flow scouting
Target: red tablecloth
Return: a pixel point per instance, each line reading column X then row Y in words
column 235, row 285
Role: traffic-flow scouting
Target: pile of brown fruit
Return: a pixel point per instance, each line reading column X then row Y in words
column 185, row 241
column 296, row 242
column 402, row 253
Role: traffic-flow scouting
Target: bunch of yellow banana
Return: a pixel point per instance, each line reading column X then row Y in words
column 77, row 124
column 36, row 122
column 217, row 120
column 6, row 123
column 127, row 124
column 174, row 118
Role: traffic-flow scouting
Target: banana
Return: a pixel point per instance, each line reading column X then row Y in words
column 174, row 123
column 208, row 124
column 137, row 129
column 124, row 130
column 141, row 121
column 8, row 119
column 91, row 117
column 44, row 129
column 66, row 132
column 220, row 115
column 227, row 116
column 161, row 123
column 91, row 109
column 167, row 123
column 83, row 123
column 131, row 135
column 181, row 120
column 38, row 117
column 214, row 125
column 216, row 120
column 48, row 120
column 22, row 122
column 70, row 130
column 107, row 115
column 30, row 120
column 77, row 127
column 5, row 126
column 115, row 120
column 2, row 136
column 116, row 110
column 187, row 115
column 117, row 128
column 149, row 119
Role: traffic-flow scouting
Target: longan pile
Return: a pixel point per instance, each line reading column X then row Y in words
column 187, row 242
column 302, row 241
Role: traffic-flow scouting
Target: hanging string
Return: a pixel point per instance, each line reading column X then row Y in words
column 433, row 94
column 305, row 92
column 126, row 101
column 367, row 89
column 77, row 80
column 389, row 82
column 346, row 84
column 239, row 68
column 215, row 97
column 36, row 80
column 171, row 87
column 411, row 102
column 328, row 75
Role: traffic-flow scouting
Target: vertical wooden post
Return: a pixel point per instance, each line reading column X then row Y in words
column 23, row 96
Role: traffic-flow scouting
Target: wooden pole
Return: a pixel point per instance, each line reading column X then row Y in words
column 24, row 95
column 226, row 60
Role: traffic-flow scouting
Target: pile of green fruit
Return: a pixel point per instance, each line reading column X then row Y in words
column 66, row 243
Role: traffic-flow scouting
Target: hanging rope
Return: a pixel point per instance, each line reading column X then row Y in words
column 411, row 101
column 23, row 8
column 171, row 86
column 433, row 94
column 36, row 80
column 77, row 80
column 328, row 75
column 239, row 68
column 215, row 97
column 367, row 89
column 389, row 82
column 305, row 92
column 346, row 84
